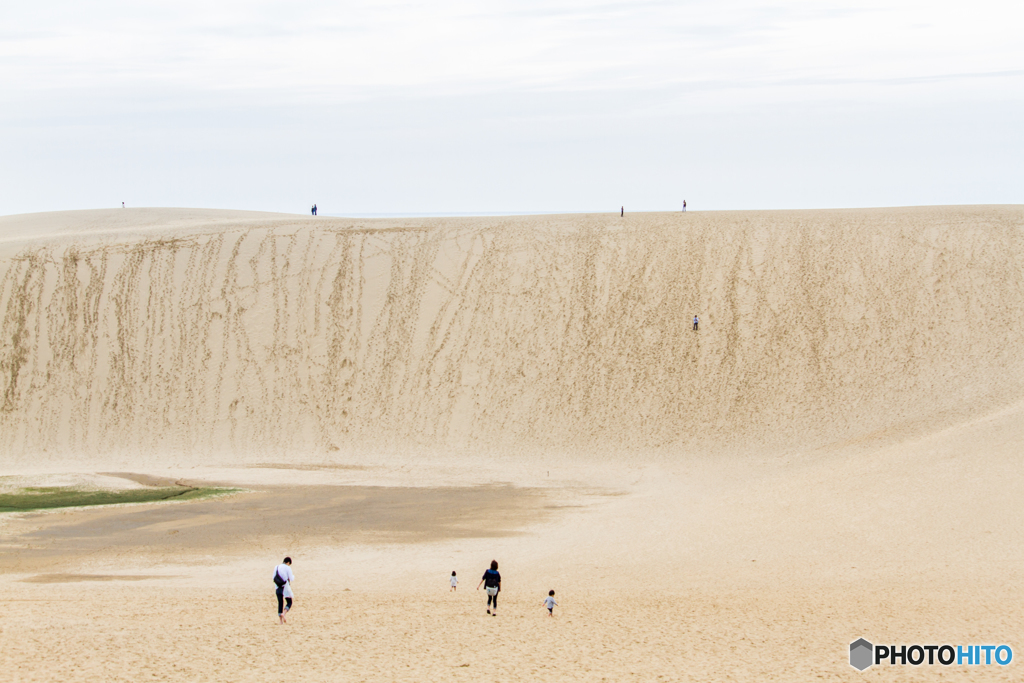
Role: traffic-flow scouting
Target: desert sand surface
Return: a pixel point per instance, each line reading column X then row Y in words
column 835, row 454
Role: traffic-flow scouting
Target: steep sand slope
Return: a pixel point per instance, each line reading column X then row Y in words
column 858, row 373
column 213, row 334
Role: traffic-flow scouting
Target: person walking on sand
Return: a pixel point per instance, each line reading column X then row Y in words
column 550, row 603
column 696, row 322
column 492, row 584
column 684, row 206
column 454, row 582
column 622, row 211
column 283, row 578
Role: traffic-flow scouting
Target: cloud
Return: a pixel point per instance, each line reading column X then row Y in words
column 317, row 49
column 223, row 92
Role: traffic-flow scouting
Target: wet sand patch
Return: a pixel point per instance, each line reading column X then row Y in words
column 303, row 468
column 298, row 516
column 148, row 479
column 75, row 578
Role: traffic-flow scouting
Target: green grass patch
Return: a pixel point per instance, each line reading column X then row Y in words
column 50, row 497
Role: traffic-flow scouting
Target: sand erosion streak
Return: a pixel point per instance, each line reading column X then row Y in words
column 533, row 331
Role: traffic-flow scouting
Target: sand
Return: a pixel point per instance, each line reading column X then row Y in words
column 834, row 455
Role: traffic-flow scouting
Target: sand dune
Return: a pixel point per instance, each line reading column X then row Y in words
column 835, row 454
column 245, row 335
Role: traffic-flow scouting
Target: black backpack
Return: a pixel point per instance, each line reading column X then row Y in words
column 278, row 581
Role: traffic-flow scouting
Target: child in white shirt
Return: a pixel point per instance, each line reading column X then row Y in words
column 550, row 603
column 454, row 582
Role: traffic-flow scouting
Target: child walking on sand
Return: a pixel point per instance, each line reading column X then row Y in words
column 454, row 582
column 550, row 603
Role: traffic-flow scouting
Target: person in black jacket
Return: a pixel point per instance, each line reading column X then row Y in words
column 492, row 582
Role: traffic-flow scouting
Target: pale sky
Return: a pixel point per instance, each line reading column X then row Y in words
column 464, row 107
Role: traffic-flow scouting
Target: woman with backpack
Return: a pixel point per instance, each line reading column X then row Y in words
column 492, row 584
column 283, row 578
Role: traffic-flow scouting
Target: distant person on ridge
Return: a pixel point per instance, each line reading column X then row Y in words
column 622, row 211
column 696, row 322
column 684, row 206
column 492, row 582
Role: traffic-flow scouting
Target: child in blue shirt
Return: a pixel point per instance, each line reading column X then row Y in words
column 550, row 603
